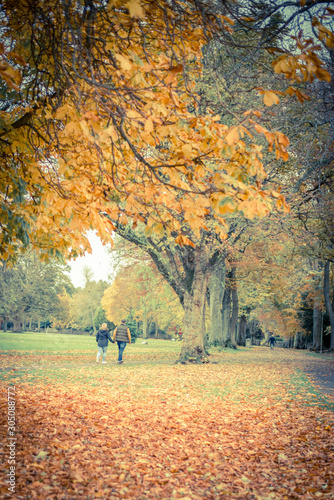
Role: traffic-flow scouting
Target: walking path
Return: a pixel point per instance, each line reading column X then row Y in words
column 322, row 376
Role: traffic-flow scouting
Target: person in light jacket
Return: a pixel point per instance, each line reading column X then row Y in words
column 122, row 335
column 102, row 338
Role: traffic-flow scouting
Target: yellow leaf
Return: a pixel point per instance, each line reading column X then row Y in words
column 109, row 132
column 183, row 241
column 232, row 136
column 149, row 125
column 125, row 63
column 281, row 66
column 135, row 8
column 227, row 205
column 61, row 112
column 282, row 139
column 159, row 229
column 323, row 74
column 187, row 149
column 173, row 72
column 259, row 128
column 228, row 20
column 71, row 129
column 13, row 74
column 270, row 98
column 18, row 58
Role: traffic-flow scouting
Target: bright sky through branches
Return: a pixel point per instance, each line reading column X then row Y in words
column 99, row 261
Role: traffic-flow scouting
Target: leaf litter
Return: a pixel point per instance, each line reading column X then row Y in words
column 248, row 427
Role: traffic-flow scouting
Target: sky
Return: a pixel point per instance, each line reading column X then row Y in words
column 99, row 261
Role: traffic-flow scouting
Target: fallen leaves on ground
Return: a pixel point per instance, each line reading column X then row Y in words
column 15, row 358
column 248, row 427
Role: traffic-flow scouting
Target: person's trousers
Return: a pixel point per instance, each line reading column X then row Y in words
column 103, row 351
column 121, row 347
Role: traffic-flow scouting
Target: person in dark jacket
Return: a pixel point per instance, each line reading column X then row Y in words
column 272, row 341
column 102, row 338
column 122, row 335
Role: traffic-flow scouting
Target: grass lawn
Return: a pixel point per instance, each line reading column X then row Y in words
column 248, row 425
column 56, row 342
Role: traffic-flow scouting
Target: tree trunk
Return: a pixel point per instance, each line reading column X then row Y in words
column 145, row 325
column 317, row 325
column 235, row 309
column 17, row 326
column 156, row 329
column 296, row 343
column 329, row 306
column 226, row 314
column 5, row 324
column 216, row 291
column 92, row 317
column 194, row 311
column 241, row 338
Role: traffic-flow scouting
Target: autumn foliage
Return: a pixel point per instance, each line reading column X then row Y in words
column 119, row 136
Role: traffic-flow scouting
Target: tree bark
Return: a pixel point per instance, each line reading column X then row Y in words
column 235, row 308
column 317, row 324
column 216, row 291
column 194, row 311
column 145, row 325
column 17, row 325
column 226, row 314
column 241, row 338
column 92, row 318
column 329, row 307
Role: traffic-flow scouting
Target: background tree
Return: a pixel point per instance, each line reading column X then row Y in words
column 86, row 302
column 140, row 292
column 30, row 291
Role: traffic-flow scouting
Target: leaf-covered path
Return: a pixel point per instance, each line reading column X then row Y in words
column 251, row 426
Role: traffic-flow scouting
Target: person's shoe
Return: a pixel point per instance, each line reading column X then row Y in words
column 119, row 362
column 104, row 362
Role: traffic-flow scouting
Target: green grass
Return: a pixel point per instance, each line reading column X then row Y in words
column 57, row 343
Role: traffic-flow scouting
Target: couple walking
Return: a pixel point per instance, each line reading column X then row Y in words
column 121, row 335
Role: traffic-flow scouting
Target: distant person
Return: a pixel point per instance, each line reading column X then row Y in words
column 122, row 335
column 102, row 338
column 272, row 341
